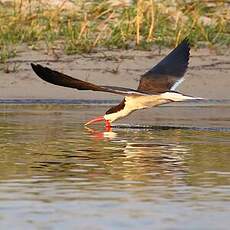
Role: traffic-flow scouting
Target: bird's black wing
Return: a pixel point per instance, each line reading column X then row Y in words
column 168, row 72
column 57, row 78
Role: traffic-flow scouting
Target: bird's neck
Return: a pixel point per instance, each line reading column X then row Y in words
column 117, row 115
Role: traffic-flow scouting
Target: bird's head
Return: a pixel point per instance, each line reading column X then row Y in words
column 114, row 113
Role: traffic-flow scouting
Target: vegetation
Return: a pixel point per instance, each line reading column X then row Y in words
column 84, row 26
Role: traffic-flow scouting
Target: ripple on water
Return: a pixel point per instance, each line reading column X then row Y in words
column 130, row 177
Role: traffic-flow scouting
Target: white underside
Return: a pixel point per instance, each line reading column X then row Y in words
column 175, row 97
column 133, row 103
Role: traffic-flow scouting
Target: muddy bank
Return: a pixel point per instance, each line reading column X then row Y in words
column 208, row 74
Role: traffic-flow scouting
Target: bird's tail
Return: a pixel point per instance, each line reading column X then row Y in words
column 174, row 96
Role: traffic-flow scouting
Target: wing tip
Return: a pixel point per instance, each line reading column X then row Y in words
column 186, row 43
column 43, row 72
column 37, row 68
column 186, row 40
column 33, row 66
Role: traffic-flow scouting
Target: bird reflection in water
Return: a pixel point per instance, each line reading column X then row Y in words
column 141, row 159
column 100, row 135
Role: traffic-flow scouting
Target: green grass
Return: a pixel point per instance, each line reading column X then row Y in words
column 94, row 24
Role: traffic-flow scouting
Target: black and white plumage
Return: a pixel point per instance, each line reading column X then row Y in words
column 156, row 86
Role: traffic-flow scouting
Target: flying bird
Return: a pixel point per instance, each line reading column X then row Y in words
column 156, row 87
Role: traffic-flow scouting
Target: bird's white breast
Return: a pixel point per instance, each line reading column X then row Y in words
column 133, row 103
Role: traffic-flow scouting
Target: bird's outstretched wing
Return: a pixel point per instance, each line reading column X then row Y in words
column 165, row 76
column 57, row 78
column 168, row 73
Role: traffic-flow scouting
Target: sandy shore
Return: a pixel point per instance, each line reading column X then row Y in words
column 208, row 74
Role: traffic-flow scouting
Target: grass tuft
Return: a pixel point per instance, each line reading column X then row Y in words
column 84, row 26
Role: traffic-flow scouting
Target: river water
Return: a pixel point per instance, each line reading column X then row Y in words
column 165, row 168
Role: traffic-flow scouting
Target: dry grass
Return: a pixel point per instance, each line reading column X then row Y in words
column 85, row 26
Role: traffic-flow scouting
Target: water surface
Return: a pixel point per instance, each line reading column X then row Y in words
column 169, row 169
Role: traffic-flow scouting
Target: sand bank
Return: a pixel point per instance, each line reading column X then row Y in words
column 208, row 74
